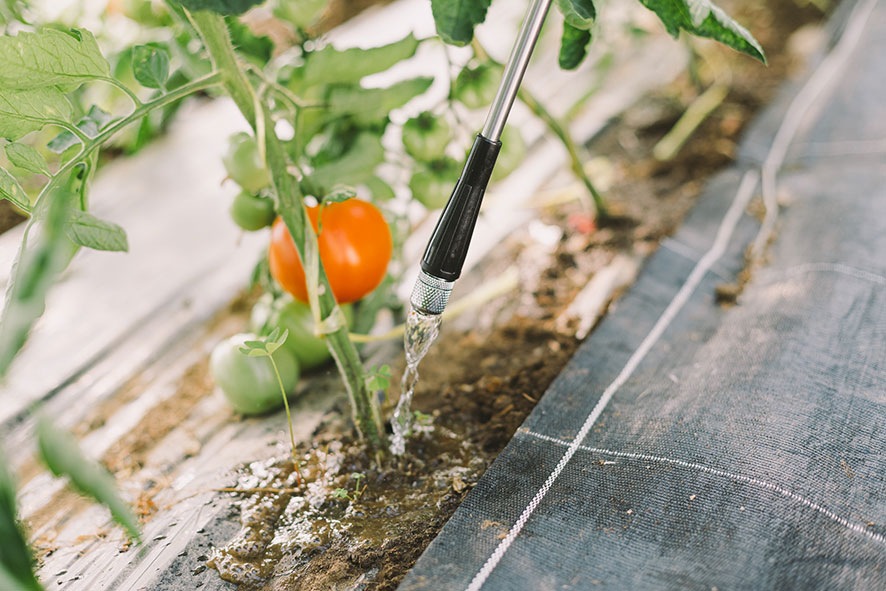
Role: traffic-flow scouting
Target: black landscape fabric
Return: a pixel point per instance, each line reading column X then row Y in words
column 694, row 446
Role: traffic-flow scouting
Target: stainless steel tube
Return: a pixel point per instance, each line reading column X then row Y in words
column 514, row 69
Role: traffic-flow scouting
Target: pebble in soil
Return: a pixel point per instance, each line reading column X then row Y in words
column 291, row 539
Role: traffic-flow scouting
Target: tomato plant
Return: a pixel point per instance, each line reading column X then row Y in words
column 286, row 314
column 432, row 184
column 249, row 383
column 425, row 137
column 354, row 246
column 252, row 212
column 244, row 164
column 476, row 85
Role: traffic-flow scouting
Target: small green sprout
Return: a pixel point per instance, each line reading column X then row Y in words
column 265, row 348
column 378, row 378
column 341, row 493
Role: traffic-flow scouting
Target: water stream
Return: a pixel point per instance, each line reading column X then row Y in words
column 421, row 332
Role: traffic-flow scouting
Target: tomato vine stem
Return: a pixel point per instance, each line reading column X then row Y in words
column 554, row 125
column 213, row 29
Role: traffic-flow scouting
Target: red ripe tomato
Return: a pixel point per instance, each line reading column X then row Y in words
column 355, row 247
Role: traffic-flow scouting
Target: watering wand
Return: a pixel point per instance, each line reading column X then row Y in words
column 446, row 251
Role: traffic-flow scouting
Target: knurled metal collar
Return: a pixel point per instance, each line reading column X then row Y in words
column 430, row 294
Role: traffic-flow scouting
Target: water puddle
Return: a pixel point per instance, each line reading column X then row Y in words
column 421, row 332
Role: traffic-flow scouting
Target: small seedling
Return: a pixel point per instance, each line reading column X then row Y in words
column 341, row 493
column 378, row 378
column 265, row 348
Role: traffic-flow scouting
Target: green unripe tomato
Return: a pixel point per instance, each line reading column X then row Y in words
column 513, row 150
column 294, row 316
column 252, row 212
column 475, row 86
column 249, row 383
column 244, row 165
column 432, row 185
column 425, row 137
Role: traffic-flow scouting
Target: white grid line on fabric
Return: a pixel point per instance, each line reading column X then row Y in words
column 773, row 277
column 825, row 77
column 854, row 526
column 718, row 248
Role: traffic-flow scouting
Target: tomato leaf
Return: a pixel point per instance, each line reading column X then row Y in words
column 256, row 48
column 380, row 190
column 705, row 19
column 578, row 13
column 331, row 66
column 368, row 105
column 355, row 166
column 27, row 158
column 456, row 19
column 50, row 58
column 16, row 571
column 62, row 455
column 90, row 124
column 8, row 582
column 36, row 267
column 339, row 193
column 24, row 111
column 10, row 189
column 573, row 46
column 87, row 230
column 220, row 6
column 150, row 66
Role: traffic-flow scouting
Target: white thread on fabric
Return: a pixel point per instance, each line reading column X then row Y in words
column 721, row 241
column 854, row 526
column 772, row 277
column 824, row 78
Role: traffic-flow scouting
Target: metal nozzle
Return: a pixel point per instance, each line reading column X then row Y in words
column 430, row 294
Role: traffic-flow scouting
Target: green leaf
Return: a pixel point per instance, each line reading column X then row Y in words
column 220, row 6
column 456, row 19
column 37, row 265
column 24, row 111
column 10, row 189
column 27, row 158
column 256, row 48
column 9, row 583
column 87, row 230
column 339, row 193
column 63, row 457
column 355, row 166
column 150, row 66
column 578, row 13
column 573, row 46
column 368, row 105
column 16, row 571
column 90, row 124
column 331, row 66
column 380, row 190
column 703, row 18
column 50, row 57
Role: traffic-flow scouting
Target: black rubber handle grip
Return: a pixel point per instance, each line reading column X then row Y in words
column 449, row 243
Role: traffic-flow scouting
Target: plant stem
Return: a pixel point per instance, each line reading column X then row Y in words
column 95, row 143
column 137, row 102
column 214, row 31
column 554, row 125
column 288, row 417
